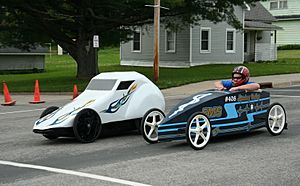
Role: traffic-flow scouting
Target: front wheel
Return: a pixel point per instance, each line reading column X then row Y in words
column 149, row 125
column 87, row 126
column 198, row 131
column 276, row 119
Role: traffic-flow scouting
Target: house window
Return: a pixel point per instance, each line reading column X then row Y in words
column 230, row 40
column 278, row 4
column 205, row 40
column 136, row 42
column 283, row 4
column 170, row 41
column 246, row 42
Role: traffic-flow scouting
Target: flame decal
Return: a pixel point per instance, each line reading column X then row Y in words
column 64, row 116
column 116, row 105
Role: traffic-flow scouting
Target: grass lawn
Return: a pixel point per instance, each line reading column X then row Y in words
column 288, row 54
column 60, row 72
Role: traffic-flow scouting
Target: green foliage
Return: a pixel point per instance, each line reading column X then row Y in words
column 289, row 47
column 26, row 22
column 72, row 24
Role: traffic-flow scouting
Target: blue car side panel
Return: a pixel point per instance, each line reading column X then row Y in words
column 228, row 113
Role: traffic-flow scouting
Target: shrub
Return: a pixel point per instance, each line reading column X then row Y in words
column 289, row 47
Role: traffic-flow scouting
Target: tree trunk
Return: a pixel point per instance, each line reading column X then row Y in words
column 87, row 62
column 85, row 55
column 86, row 59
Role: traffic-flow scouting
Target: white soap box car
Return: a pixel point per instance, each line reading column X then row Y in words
column 109, row 98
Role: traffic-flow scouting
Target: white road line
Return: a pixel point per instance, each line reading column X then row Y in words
column 21, row 111
column 284, row 96
column 177, row 96
column 70, row 172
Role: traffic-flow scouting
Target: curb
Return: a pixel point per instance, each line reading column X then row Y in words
column 286, row 84
column 266, row 85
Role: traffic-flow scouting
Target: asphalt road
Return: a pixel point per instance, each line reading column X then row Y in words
column 256, row 158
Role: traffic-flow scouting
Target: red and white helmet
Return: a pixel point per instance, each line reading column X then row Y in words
column 242, row 70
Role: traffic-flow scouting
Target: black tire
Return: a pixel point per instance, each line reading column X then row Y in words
column 198, row 134
column 50, row 137
column 137, row 123
column 276, row 115
column 87, row 126
column 152, row 125
column 48, row 111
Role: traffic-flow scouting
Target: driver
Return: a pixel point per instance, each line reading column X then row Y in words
column 239, row 81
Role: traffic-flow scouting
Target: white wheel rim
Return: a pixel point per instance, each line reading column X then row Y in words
column 276, row 119
column 153, row 119
column 199, row 131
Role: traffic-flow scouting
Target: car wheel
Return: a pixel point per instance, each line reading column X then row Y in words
column 276, row 119
column 198, row 131
column 48, row 111
column 87, row 126
column 50, row 137
column 149, row 125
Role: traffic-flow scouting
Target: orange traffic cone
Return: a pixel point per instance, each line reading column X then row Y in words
column 75, row 91
column 36, row 98
column 7, row 99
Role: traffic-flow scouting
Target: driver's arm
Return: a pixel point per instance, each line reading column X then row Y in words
column 247, row 87
column 219, row 85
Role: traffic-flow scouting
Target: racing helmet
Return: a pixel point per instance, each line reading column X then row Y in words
column 244, row 71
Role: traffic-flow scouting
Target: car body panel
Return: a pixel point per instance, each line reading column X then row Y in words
column 228, row 112
column 123, row 96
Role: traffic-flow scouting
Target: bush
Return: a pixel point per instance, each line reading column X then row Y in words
column 289, row 47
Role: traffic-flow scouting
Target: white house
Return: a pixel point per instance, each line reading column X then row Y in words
column 207, row 43
column 287, row 13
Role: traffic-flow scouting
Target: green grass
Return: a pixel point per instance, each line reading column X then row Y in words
column 288, row 54
column 60, row 72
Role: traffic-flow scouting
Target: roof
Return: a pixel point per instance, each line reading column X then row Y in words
column 255, row 25
column 259, row 18
column 288, row 17
column 39, row 50
column 259, row 13
column 123, row 76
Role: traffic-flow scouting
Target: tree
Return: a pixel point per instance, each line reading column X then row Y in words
column 72, row 23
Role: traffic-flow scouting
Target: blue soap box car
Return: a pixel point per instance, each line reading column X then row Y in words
column 215, row 113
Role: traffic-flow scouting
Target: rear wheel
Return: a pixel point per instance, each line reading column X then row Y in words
column 276, row 119
column 149, row 125
column 87, row 126
column 198, row 131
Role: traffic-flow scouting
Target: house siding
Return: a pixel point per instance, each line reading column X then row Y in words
column 291, row 26
column 22, row 62
column 16, row 59
column 187, row 50
column 218, row 43
column 145, row 58
column 293, row 8
column 290, row 34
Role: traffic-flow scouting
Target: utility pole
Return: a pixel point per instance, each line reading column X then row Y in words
column 156, row 39
column 156, row 28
